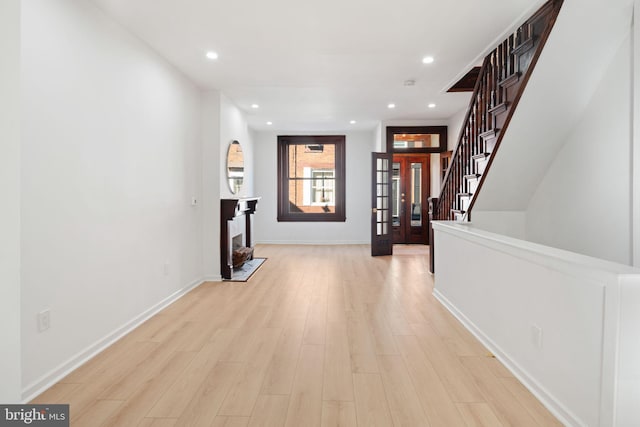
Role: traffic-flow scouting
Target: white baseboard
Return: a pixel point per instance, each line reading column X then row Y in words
column 55, row 375
column 212, row 278
column 547, row 399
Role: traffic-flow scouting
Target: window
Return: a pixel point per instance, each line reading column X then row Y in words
column 311, row 178
column 416, row 139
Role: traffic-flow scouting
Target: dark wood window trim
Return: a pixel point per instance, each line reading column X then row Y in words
column 440, row 130
column 284, row 214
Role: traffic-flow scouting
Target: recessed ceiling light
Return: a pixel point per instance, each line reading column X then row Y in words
column 392, row 105
column 432, row 105
column 353, row 122
column 255, row 106
column 212, row 55
column 269, row 123
column 427, row 60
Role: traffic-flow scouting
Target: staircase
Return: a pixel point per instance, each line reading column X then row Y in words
column 501, row 82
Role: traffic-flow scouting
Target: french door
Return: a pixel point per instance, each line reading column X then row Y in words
column 381, row 238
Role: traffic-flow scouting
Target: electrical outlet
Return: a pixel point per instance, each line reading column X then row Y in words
column 536, row 335
column 194, row 201
column 44, row 320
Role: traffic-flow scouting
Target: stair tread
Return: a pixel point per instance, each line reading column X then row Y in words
column 491, row 133
column 480, row 156
column 500, row 108
column 465, row 194
column 524, row 46
column 472, row 176
column 510, row 80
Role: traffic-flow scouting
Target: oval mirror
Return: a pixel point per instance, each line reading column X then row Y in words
column 235, row 167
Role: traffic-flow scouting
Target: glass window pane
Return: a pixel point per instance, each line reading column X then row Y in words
column 415, row 140
column 305, row 158
column 416, row 194
column 435, row 140
column 304, row 198
column 379, row 232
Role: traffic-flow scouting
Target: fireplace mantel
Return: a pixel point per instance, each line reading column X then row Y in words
column 234, row 210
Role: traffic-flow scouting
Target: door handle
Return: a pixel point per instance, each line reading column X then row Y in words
column 374, row 210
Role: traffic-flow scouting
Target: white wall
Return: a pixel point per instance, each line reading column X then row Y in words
column 455, row 126
column 435, row 179
column 583, row 203
column 233, row 126
column 356, row 229
column 111, row 158
column 379, row 146
column 509, row 223
column 10, row 385
column 211, row 184
column 636, row 134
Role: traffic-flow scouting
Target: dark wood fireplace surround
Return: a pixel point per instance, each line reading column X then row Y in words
column 229, row 210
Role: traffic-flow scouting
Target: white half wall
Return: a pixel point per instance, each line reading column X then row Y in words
column 111, row 154
column 10, row 383
column 356, row 229
column 565, row 324
column 583, row 203
column 628, row 378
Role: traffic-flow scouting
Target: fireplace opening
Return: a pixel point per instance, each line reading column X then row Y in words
column 237, row 242
column 240, row 253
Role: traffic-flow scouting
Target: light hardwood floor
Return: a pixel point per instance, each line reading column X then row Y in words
column 320, row 336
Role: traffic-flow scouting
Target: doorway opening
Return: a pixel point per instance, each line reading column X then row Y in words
column 401, row 185
column 409, row 194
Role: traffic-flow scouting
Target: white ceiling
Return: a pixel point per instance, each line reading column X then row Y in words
column 317, row 64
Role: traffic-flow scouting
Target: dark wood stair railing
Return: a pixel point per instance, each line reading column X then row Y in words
column 501, row 82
